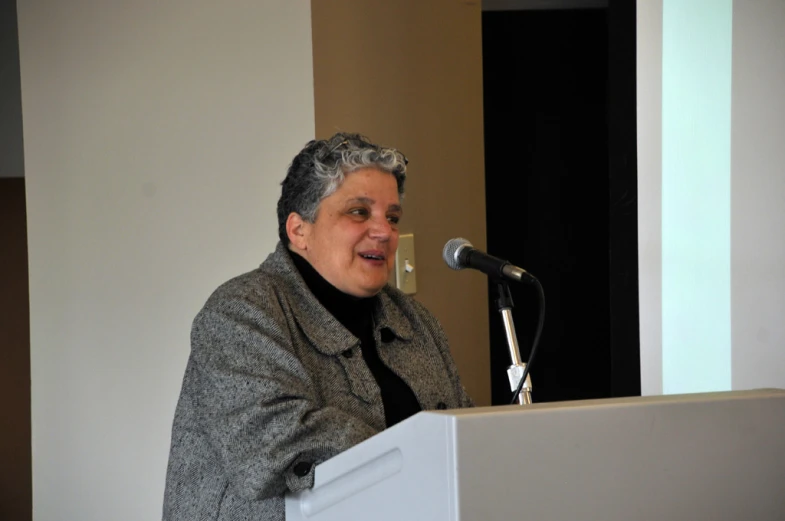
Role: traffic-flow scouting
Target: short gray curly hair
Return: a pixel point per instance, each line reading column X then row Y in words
column 320, row 168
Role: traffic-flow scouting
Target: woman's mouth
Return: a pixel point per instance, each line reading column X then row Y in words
column 374, row 256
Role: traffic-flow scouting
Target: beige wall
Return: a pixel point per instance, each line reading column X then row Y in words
column 409, row 74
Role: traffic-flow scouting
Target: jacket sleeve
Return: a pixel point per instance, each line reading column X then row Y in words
column 258, row 405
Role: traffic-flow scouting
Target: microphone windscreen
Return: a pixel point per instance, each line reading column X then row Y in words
column 451, row 250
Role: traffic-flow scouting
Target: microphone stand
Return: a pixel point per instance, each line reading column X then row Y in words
column 515, row 371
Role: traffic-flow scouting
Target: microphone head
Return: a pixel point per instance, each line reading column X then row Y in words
column 452, row 250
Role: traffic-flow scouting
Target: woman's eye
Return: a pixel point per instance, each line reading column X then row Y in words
column 393, row 219
column 361, row 212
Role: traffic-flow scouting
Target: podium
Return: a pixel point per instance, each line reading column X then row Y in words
column 714, row 456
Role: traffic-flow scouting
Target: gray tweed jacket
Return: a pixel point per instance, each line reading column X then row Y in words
column 275, row 384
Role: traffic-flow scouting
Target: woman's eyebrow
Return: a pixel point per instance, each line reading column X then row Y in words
column 369, row 202
column 361, row 200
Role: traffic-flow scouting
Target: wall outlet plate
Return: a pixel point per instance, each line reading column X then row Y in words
column 405, row 272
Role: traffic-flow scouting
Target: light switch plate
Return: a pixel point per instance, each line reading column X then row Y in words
column 405, row 272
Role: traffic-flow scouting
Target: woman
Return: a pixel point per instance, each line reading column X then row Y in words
column 311, row 353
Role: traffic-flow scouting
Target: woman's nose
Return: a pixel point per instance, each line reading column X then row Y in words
column 381, row 229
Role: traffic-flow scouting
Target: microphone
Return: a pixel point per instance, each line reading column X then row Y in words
column 459, row 253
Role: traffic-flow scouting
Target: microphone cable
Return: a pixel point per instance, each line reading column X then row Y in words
column 538, row 333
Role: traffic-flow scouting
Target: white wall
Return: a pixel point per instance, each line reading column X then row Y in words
column 758, row 194
column 155, row 136
column 649, row 98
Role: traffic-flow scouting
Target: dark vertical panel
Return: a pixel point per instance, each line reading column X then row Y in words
column 16, row 484
column 546, row 142
column 623, row 196
column 15, row 453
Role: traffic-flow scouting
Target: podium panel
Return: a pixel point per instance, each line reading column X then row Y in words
column 715, row 456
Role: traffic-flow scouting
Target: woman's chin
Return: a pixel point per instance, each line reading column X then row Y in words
column 368, row 288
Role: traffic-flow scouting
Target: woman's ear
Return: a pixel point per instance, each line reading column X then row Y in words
column 297, row 230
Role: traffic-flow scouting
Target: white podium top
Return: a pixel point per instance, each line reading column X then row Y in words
column 716, row 456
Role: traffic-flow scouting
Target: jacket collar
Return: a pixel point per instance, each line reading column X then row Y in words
column 389, row 315
column 324, row 331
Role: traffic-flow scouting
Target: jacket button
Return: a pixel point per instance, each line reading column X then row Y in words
column 348, row 353
column 441, row 406
column 387, row 335
column 302, row 469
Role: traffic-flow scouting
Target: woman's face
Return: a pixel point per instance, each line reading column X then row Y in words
column 353, row 239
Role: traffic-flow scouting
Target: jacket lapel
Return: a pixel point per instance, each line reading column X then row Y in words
column 325, row 333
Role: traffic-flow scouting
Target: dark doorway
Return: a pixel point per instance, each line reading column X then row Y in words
column 552, row 84
column 16, row 500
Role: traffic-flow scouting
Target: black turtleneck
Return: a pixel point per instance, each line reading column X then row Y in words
column 356, row 315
